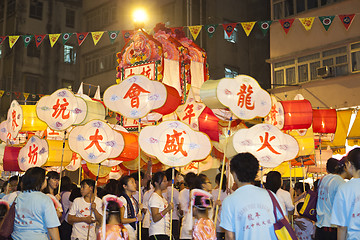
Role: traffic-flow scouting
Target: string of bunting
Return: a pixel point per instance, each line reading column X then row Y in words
column 19, row 94
column 210, row 29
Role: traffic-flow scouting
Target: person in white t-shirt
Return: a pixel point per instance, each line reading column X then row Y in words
column 346, row 208
column 220, row 232
column 159, row 209
column 129, row 212
column 85, row 212
column 175, row 200
column 327, row 190
column 273, row 183
column 247, row 213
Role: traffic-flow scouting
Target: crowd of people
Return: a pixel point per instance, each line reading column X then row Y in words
column 44, row 211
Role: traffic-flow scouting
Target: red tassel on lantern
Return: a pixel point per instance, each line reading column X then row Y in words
column 298, row 114
column 208, row 124
column 324, row 120
column 10, row 161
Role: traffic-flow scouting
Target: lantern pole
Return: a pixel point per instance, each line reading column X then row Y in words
column 198, row 168
column 172, row 199
column 261, row 177
column 303, row 171
column 222, row 172
column 320, row 153
column 91, row 193
column 80, row 172
column 139, row 177
column 62, row 159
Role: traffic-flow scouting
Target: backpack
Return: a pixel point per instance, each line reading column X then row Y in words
column 309, row 208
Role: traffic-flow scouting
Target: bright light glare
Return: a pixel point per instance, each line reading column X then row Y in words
column 140, row 16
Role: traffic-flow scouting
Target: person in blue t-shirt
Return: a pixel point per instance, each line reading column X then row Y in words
column 35, row 214
column 346, row 208
column 248, row 212
column 327, row 190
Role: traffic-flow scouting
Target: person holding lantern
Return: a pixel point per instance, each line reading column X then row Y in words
column 159, row 209
column 129, row 212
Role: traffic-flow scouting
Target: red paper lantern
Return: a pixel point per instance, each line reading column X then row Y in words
column 173, row 100
column 298, row 114
column 131, row 147
column 10, row 161
column 324, row 120
column 208, row 124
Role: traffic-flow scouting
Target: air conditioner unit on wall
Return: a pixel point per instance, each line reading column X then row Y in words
column 326, row 71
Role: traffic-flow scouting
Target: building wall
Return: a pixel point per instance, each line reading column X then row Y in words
column 337, row 90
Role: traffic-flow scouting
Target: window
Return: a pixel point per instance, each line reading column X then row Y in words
column 355, row 57
column 11, row 4
column 36, row 8
column 304, row 68
column 69, row 54
column 336, row 58
column 97, row 63
column 101, row 17
column 285, row 8
column 233, row 36
column 231, row 72
column 70, row 18
column 32, row 50
column 31, row 84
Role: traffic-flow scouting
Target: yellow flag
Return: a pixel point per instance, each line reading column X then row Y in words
column 26, row 95
column 195, row 30
column 12, row 40
column 307, row 22
column 96, row 36
column 248, row 27
column 53, row 38
column 1, row 93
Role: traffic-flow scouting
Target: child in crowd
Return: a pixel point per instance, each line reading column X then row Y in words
column 309, row 231
column 113, row 229
column 85, row 211
column 204, row 228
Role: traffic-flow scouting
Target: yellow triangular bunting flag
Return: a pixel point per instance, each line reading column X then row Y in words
column 12, row 40
column 195, row 30
column 26, row 95
column 53, row 38
column 248, row 27
column 307, row 22
column 96, row 36
column 1, row 93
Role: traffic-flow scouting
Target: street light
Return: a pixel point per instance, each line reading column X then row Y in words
column 139, row 17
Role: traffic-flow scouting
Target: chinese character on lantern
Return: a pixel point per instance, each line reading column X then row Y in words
column 245, row 97
column 189, row 112
column 60, row 109
column 95, row 141
column 266, row 143
column 174, row 143
column 133, row 93
column 13, row 123
column 33, row 154
column 273, row 113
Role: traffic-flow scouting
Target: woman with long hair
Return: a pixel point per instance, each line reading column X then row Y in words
column 35, row 216
column 129, row 212
column 52, row 190
column 159, row 208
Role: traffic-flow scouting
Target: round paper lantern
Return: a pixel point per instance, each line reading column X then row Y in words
column 14, row 119
column 10, row 161
column 133, row 165
column 56, row 151
column 173, row 100
column 34, row 154
column 30, row 120
column 131, row 147
column 208, row 124
column 91, row 170
column 297, row 114
column 95, row 110
column 324, row 120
